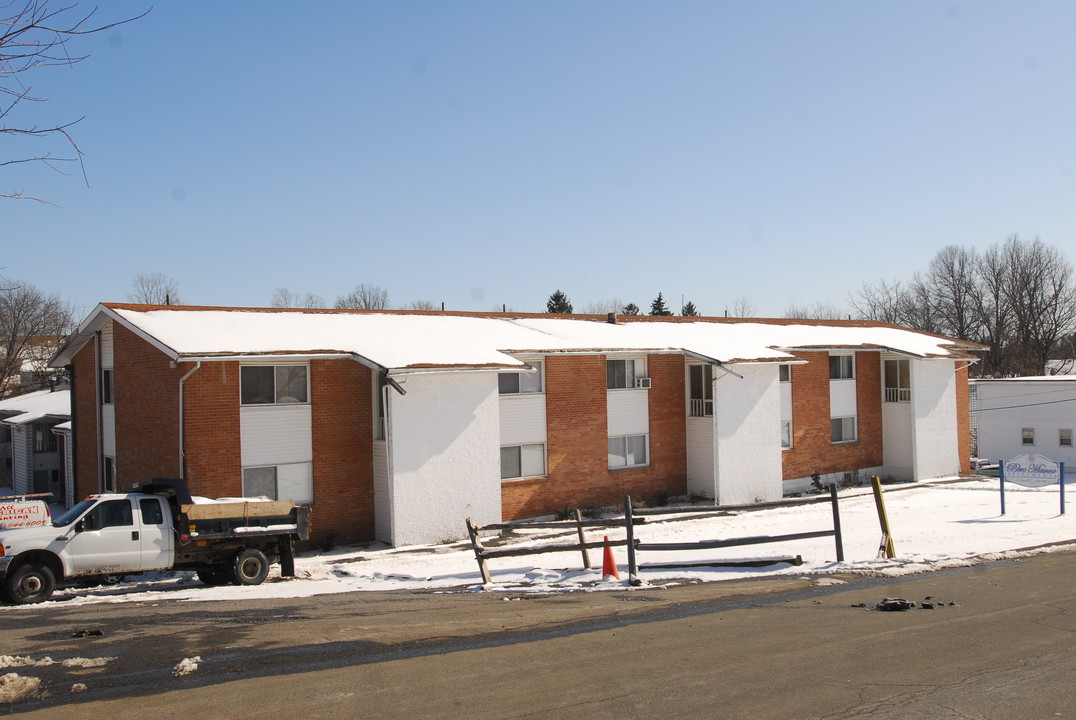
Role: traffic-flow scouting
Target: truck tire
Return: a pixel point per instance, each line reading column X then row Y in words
column 250, row 567
column 30, row 583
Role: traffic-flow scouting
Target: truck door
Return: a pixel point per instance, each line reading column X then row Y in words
column 156, row 533
column 107, row 539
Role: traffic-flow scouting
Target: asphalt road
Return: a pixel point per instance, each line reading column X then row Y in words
column 999, row 645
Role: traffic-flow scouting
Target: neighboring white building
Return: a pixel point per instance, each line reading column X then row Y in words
column 1022, row 416
column 34, row 446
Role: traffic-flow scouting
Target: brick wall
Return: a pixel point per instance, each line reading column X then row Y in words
column 214, row 465
column 147, row 410
column 963, row 420
column 577, row 441
column 84, row 420
column 812, row 447
column 341, row 394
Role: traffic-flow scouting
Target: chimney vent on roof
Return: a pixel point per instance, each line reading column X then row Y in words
column 611, row 319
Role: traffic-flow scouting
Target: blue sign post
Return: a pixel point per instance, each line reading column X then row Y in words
column 1032, row 471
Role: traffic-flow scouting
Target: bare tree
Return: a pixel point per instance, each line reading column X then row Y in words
column 882, row 302
column 1042, row 298
column 423, row 305
column 32, row 325
column 154, row 289
column 35, row 34
column 364, row 297
column 742, row 307
column 285, row 298
column 603, row 307
column 815, row 311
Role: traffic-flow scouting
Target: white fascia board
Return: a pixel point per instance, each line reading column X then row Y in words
column 93, row 323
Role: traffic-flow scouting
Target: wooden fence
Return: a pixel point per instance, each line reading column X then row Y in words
column 632, row 519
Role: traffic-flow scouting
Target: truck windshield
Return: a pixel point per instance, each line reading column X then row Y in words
column 74, row 513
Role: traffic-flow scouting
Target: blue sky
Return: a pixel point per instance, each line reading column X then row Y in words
column 484, row 154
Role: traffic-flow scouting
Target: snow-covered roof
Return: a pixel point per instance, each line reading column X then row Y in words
column 34, row 406
column 407, row 341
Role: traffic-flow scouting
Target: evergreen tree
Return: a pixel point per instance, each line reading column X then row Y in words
column 630, row 309
column 658, row 306
column 689, row 310
column 559, row 303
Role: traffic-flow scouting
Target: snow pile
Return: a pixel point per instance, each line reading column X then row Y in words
column 935, row 525
column 15, row 687
column 186, row 666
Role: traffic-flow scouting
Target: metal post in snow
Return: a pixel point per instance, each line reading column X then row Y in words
column 1062, row 488
column 629, row 524
column 836, row 523
column 582, row 539
column 1001, row 479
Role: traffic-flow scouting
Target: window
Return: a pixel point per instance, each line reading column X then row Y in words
column 106, row 386
column 1028, row 436
column 293, row 482
column 519, row 461
column 510, row 383
column 786, row 434
column 45, row 440
column 628, row 451
column 898, row 381
column 1064, row 438
column 621, row 374
column 701, row 382
column 110, row 513
column 843, row 429
column 273, row 384
column 151, row 511
column 784, row 372
column 841, row 367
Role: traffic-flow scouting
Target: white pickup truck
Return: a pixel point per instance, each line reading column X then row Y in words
column 156, row 528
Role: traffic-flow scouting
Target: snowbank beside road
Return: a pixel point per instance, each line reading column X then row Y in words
column 935, row 525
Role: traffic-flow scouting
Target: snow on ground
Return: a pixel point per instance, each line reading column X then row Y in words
column 935, row 525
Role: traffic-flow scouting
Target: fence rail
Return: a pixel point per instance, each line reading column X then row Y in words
column 632, row 519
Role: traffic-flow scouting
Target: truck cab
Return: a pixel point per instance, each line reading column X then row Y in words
column 115, row 533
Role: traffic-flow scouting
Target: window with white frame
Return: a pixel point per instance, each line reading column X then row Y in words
column 520, row 461
column 621, row 374
column 627, row 451
column 842, row 367
column 786, row 434
column 701, row 390
column 511, row 383
column 273, row 384
column 1064, row 437
column 784, row 372
column 293, row 482
column 843, row 429
column 1027, row 436
column 898, row 381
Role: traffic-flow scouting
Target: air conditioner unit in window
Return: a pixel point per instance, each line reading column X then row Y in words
column 643, row 383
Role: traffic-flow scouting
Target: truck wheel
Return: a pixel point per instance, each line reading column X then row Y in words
column 213, row 576
column 251, row 567
column 30, row 584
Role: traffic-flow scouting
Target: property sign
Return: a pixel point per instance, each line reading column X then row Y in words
column 1033, row 471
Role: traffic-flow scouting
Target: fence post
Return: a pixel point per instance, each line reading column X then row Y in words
column 472, row 530
column 836, row 523
column 888, row 546
column 629, row 524
column 582, row 540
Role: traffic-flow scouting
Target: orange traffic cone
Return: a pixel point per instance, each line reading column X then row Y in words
column 608, row 564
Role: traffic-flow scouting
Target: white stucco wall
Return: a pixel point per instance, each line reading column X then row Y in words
column 934, row 421
column 747, row 435
column 444, row 446
column 1008, row 406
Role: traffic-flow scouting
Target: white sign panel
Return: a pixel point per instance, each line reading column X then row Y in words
column 1032, row 471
